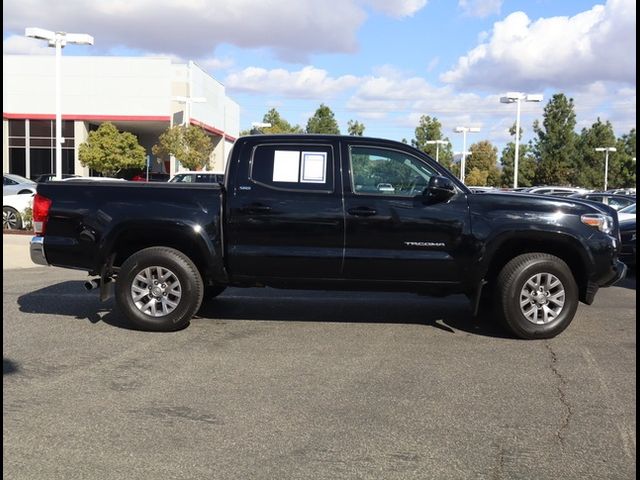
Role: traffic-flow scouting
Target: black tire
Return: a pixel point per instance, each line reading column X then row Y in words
column 11, row 219
column 180, row 293
column 212, row 291
column 516, row 283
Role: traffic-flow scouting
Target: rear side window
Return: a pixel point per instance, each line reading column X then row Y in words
column 293, row 167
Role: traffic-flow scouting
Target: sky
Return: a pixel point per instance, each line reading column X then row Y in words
column 383, row 63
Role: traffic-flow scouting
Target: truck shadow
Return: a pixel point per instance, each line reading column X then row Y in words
column 451, row 314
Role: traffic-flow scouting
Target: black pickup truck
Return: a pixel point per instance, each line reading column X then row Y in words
column 330, row 213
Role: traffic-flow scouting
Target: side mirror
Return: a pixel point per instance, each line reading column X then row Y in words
column 440, row 189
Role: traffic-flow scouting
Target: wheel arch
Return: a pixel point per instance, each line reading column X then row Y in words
column 205, row 252
column 563, row 246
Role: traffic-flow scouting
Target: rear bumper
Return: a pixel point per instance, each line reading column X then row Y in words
column 36, row 250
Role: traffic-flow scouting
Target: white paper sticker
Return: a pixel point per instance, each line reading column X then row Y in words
column 286, row 165
column 314, row 167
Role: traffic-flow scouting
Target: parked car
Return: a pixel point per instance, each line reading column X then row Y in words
column 92, row 179
column 627, row 213
column 614, row 201
column 140, row 175
column 482, row 189
column 48, row 177
column 15, row 184
column 623, row 191
column 13, row 209
column 385, row 187
column 628, row 242
column 197, row 177
column 556, row 191
column 164, row 248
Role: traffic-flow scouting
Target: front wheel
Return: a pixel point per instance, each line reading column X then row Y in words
column 159, row 289
column 537, row 295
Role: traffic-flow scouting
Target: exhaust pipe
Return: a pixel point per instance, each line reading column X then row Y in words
column 92, row 284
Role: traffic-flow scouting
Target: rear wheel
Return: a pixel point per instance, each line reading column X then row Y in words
column 159, row 289
column 11, row 219
column 537, row 295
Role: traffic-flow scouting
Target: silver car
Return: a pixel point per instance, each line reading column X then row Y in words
column 15, row 184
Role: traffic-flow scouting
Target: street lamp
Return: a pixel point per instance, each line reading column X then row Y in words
column 58, row 40
column 606, row 151
column 517, row 97
column 437, row 144
column 464, row 131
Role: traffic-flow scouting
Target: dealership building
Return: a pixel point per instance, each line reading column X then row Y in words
column 141, row 95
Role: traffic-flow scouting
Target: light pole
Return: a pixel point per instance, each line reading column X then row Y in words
column 58, row 40
column 517, row 97
column 437, row 144
column 606, row 151
column 464, row 131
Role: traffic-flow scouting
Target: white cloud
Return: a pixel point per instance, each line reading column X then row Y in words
column 293, row 29
column 215, row 63
column 21, row 45
column 397, row 8
column 556, row 52
column 480, row 8
column 309, row 82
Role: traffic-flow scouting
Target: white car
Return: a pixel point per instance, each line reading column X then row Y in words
column 12, row 184
column 386, row 187
column 13, row 209
column 556, row 191
column 627, row 213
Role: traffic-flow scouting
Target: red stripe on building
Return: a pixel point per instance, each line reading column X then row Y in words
column 214, row 130
column 103, row 118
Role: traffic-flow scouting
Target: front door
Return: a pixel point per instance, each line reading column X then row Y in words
column 286, row 218
column 391, row 234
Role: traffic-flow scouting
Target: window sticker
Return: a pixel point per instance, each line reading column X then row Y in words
column 314, row 167
column 286, row 165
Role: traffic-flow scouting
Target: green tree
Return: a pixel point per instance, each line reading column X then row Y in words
column 477, row 177
column 323, row 121
column 622, row 166
column 108, row 150
column 555, row 145
column 431, row 129
column 589, row 166
column 355, row 128
column 190, row 145
column 484, row 158
column 278, row 124
column 526, row 164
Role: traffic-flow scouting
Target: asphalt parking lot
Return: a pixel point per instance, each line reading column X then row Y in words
column 282, row 385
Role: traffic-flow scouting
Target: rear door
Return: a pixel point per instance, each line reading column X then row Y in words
column 391, row 234
column 286, row 217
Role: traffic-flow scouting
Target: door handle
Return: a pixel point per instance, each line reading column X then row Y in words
column 255, row 209
column 362, row 211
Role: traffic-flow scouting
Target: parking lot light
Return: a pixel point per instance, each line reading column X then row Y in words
column 517, row 97
column 437, row 143
column 606, row 151
column 58, row 40
column 464, row 131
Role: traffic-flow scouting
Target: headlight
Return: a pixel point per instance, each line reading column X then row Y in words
column 604, row 223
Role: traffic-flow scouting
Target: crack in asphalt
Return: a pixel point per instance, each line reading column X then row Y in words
column 562, row 396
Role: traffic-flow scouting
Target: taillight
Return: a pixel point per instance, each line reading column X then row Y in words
column 138, row 178
column 41, row 206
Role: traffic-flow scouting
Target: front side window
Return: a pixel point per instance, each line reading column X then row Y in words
column 293, row 167
column 381, row 171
